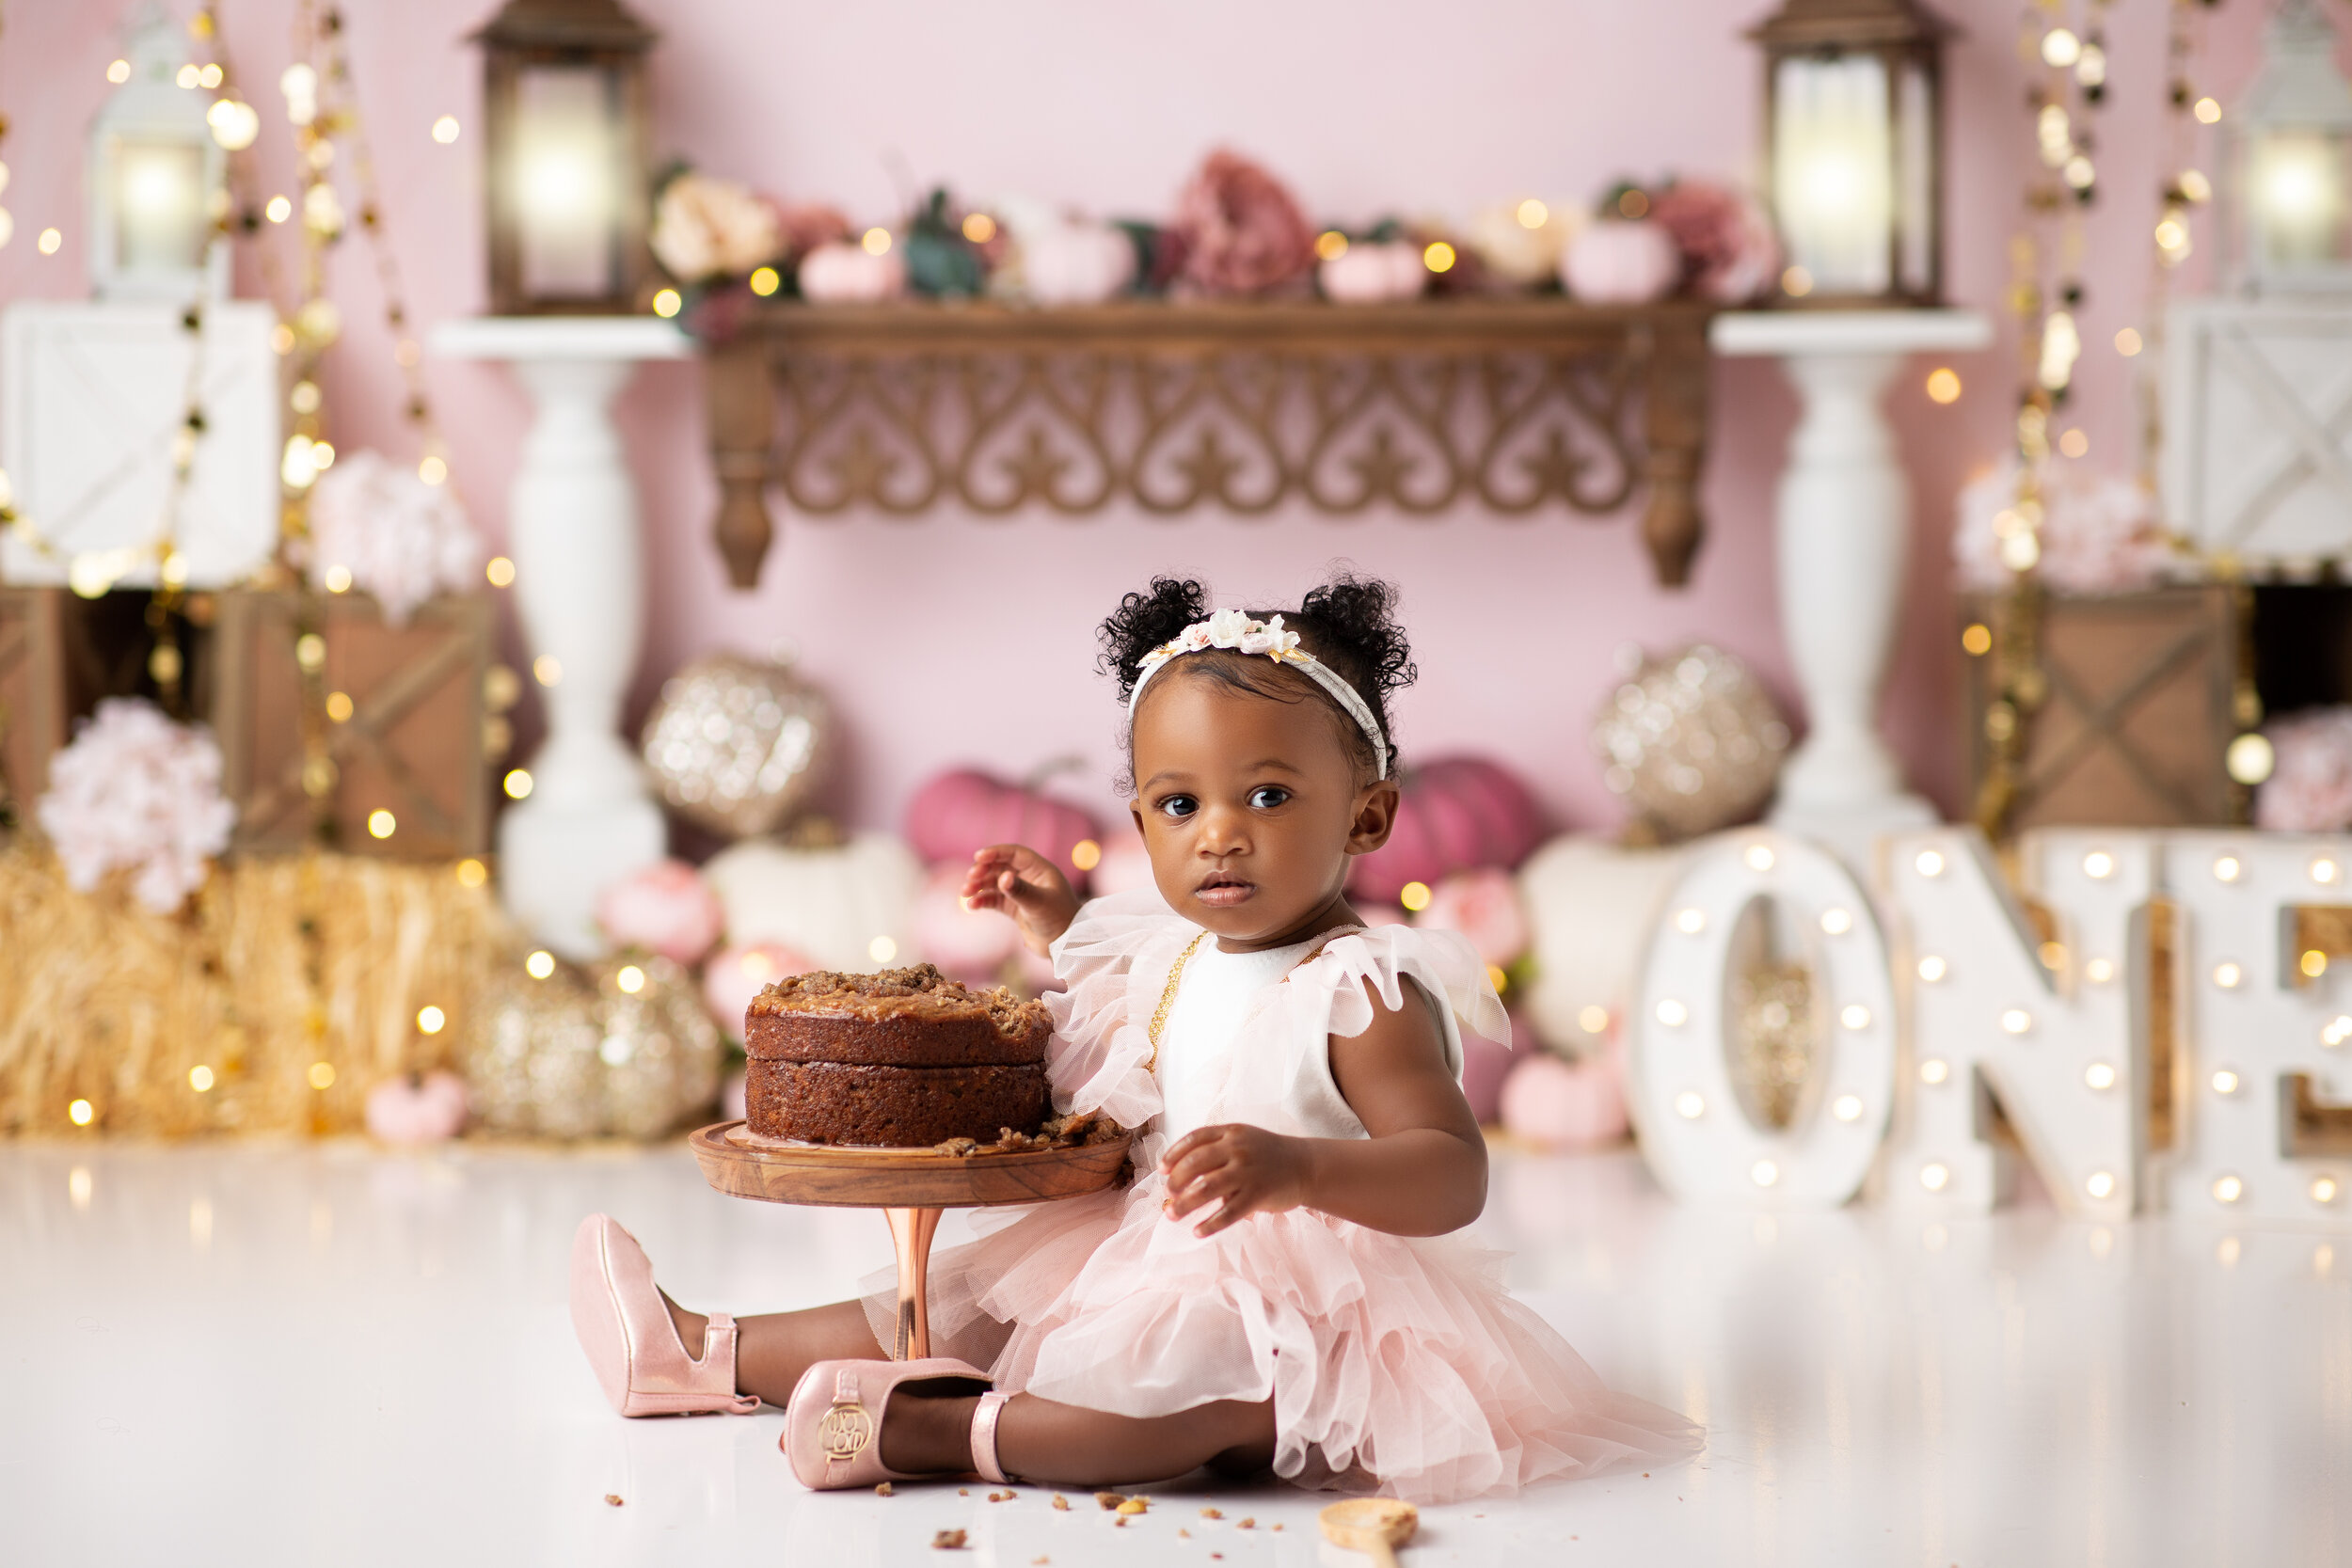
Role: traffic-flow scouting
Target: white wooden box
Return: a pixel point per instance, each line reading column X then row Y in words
column 2258, row 429
column 91, row 398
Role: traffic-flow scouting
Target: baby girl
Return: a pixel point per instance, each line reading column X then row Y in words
column 1283, row 1284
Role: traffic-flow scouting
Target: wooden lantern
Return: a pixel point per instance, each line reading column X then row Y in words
column 564, row 99
column 1854, row 149
column 156, row 178
column 2286, row 165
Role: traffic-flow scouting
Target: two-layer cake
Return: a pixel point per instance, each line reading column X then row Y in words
column 905, row 1058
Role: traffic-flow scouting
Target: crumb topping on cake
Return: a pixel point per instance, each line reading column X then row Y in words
column 918, row 992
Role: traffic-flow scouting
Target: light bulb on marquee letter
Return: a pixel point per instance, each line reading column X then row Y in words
column 2017, row 1025
column 1679, row 1070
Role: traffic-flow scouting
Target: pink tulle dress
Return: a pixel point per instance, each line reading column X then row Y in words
column 1394, row 1362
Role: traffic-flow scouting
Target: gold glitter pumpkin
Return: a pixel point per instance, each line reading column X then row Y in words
column 735, row 745
column 622, row 1047
column 1690, row 741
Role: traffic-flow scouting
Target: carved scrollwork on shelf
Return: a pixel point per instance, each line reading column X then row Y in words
column 1509, row 405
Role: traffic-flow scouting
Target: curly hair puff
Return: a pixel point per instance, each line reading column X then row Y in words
column 1348, row 621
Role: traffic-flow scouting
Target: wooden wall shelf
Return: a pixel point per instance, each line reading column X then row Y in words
column 1513, row 405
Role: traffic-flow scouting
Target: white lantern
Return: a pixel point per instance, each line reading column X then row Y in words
column 2286, row 184
column 1854, row 143
column 156, row 178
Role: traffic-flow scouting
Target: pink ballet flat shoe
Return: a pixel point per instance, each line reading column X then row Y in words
column 832, row 1427
column 631, row 1340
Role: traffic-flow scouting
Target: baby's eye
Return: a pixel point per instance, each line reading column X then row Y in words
column 1268, row 797
column 1177, row 806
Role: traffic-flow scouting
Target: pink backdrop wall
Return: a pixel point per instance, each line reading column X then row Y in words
column 952, row 638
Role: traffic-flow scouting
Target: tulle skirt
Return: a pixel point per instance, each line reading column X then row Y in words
column 1395, row 1364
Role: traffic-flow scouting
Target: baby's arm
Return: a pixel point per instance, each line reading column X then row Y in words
column 1421, row 1173
column 1020, row 883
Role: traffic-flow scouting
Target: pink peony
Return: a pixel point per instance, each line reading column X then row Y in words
column 2310, row 787
column 666, row 907
column 400, row 539
column 968, row 944
column 1730, row 254
column 706, row 227
column 1483, row 905
column 737, row 975
column 1566, row 1105
column 1240, row 228
column 2099, row 531
column 135, row 791
column 420, row 1108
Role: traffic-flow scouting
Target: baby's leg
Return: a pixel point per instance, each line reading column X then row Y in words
column 1038, row 1440
column 773, row 1349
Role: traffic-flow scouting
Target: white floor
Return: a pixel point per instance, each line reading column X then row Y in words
column 331, row 1356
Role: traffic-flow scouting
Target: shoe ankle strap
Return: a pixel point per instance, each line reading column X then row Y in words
column 718, row 1363
column 984, row 1418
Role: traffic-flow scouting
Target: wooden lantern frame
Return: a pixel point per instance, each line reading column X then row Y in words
column 1904, row 36
column 600, row 35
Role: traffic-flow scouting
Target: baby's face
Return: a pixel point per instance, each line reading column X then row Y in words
column 1250, row 809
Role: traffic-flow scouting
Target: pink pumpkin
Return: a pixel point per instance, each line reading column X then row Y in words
column 665, row 909
column 1622, row 263
column 962, row 811
column 417, row 1108
column 1458, row 813
column 969, row 944
column 1566, row 1105
column 1076, row 263
column 736, row 975
column 1487, row 1062
column 843, row 272
column 1484, row 905
column 1371, row 273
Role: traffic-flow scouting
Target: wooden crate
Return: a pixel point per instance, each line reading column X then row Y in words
column 2139, row 712
column 413, row 744
column 32, row 697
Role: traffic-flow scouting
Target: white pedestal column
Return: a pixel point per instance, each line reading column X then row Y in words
column 1844, row 520
column 579, row 578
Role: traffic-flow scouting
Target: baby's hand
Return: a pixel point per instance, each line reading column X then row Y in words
column 1016, row 880
column 1243, row 1169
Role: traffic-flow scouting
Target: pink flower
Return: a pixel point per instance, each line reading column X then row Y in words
column 1730, row 253
column 2310, row 787
column 705, row 227
column 1483, row 905
column 666, row 907
column 137, row 792
column 1240, row 230
column 736, row 975
column 401, row 538
column 2099, row 531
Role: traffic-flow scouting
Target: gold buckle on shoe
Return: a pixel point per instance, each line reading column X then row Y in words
column 844, row 1431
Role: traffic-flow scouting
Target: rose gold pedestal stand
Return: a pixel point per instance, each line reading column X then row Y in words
column 910, row 1186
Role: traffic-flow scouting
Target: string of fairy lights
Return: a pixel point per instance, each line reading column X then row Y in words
column 2063, row 47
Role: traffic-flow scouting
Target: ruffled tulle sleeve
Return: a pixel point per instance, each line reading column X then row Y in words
column 1113, row 963
column 1281, row 1079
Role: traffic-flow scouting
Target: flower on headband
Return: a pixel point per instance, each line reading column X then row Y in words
column 1268, row 639
column 1191, row 640
column 1227, row 628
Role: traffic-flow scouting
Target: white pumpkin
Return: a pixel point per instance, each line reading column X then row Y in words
column 1621, row 262
column 842, row 272
column 850, row 907
column 1371, row 273
column 1516, row 253
column 1590, row 906
column 1076, row 263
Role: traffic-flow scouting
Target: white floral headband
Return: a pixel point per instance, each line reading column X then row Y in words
column 1233, row 629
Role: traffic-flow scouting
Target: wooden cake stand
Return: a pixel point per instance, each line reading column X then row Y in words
column 910, row 1186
